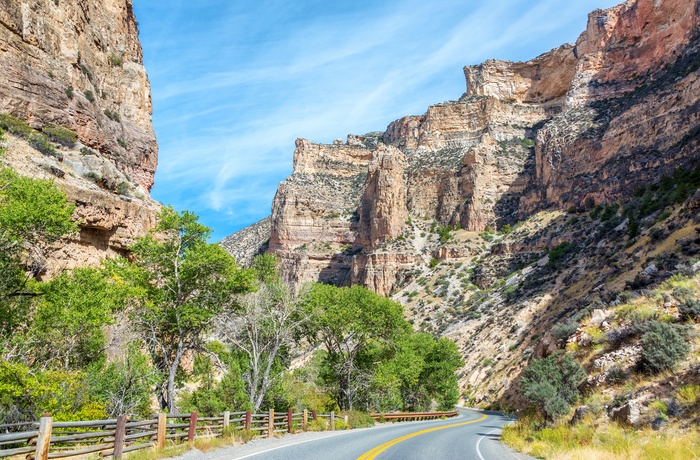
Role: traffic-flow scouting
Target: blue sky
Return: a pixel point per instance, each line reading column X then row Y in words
column 234, row 83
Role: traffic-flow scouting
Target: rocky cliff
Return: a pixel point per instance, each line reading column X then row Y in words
column 77, row 64
column 577, row 126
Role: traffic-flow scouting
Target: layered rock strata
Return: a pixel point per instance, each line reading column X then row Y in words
column 579, row 125
column 79, row 65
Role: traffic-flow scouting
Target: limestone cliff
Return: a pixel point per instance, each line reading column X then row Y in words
column 78, row 64
column 579, row 125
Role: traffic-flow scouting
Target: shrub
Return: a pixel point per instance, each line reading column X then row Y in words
column 444, row 233
column 689, row 395
column 557, row 254
column 123, row 188
column 69, row 92
column 15, row 126
column 42, row 144
column 90, row 96
column 507, row 229
column 434, row 262
column 60, row 135
column 93, row 176
column 562, row 331
column 116, row 61
column 114, row 116
column 87, row 151
column 124, row 145
column 551, row 384
column 662, row 347
column 689, row 309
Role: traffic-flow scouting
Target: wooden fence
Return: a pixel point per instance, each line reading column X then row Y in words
column 47, row 439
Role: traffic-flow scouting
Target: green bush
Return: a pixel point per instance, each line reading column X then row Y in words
column 60, row 135
column 551, row 384
column 662, row 347
column 87, row 151
column 689, row 309
column 69, row 92
column 116, row 61
column 434, row 262
column 15, row 126
column 562, row 331
column 114, row 116
column 93, row 176
column 90, row 96
column 42, row 144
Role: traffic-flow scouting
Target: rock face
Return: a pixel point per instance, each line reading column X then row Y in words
column 78, row 64
column 579, row 125
column 245, row 244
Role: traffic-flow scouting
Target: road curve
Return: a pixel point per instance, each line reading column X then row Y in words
column 471, row 435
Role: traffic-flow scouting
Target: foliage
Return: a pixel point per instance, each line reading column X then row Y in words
column 15, row 126
column 42, row 144
column 184, row 283
column 125, row 385
column 60, row 135
column 444, row 233
column 114, row 116
column 263, row 330
column 551, row 384
column 421, row 370
column 90, row 96
column 69, row 92
column 562, row 331
column 662, row 347
column 689, row 309
column 68, row 320
column 115, row 61
column 559, row 252
column 25, row 394
column 349, row 323
column 434, row 262
column 33, row 214
column 357, row 419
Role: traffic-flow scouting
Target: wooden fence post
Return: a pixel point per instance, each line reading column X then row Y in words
column 227, row 419
column 346, row 423
column 290, row 417
column 332, row 421
column 248, row 420
column 162, row 422
column 305, row 420
column 43, row 440
column 314, row 416
column 193, row 427
column 119, row 434
column 271, row 424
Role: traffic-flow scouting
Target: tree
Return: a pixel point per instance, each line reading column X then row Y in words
column 348, row 322
column 33, row 214
column 551, row 384
column 420, row 370
column 184, row 283
column 263, row 328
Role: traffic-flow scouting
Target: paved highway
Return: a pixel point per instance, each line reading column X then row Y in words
column 471, row 436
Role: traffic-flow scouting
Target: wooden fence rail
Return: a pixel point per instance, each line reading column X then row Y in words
column 47, row 439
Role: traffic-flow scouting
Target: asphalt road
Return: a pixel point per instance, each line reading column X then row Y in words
column 471, row 436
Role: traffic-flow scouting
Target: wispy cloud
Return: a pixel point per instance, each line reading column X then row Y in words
column 234, row 83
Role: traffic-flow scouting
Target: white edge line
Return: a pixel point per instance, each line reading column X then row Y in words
column 319, row 439
column 478, row 452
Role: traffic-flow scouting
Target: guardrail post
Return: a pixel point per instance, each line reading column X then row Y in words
column 193, row 427
column 160, row 437
column 305, row 420
column 332, row 421
column 290, row 416
column 227, row 421
column 314, row 415
column 346, row 421
column 43, row 440
column 119, row 434
column 271, row 424
column 248, row 420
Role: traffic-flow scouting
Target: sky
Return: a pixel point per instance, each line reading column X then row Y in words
column 234, row 83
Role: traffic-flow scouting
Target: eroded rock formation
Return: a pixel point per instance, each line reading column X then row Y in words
column 581, row 124
column 79, row 65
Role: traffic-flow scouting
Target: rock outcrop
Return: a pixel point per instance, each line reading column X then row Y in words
column 79, row 65
column 579, row 125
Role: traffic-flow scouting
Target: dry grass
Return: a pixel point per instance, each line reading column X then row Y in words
column 589, row 440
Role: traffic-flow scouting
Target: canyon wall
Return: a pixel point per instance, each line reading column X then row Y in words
column 78, row 64
column 582, row 124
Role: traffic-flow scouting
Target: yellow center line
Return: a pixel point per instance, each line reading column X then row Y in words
column 370, row 455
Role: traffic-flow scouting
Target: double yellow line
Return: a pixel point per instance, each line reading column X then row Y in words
column 381, row 448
